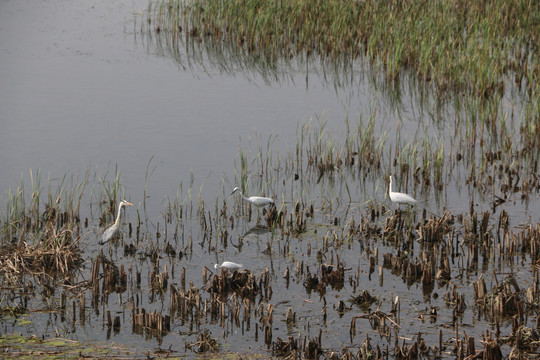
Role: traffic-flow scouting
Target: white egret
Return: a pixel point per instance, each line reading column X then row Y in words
column 229, row 265
column 400, row 198
column 258, row 201
column 113, row 229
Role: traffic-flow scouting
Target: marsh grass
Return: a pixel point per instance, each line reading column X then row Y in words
column 110, row 192
column 42, row 232
column 317, row 229
column 42, row 237
column 472, row 56
column 319, row 219
column 450, row 45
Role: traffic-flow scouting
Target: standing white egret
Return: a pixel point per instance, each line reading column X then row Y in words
column 258, row 201
column 229, row 265
column 113, row 229
column 400, row 198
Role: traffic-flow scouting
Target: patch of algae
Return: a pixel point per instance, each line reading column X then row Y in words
column 21, row 347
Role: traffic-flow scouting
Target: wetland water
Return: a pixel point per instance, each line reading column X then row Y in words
column 85, row 92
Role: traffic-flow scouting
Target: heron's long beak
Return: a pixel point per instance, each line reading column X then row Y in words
column 128, row 203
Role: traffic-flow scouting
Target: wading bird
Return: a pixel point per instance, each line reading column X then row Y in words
column 112, row 231
column 229, row 265
column 258, row 201
column 400, row 198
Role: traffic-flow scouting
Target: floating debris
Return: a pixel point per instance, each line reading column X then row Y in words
column 205, row 343
column 285, row 349
column 363, row 299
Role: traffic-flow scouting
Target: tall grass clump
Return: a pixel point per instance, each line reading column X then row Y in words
column 42, row 235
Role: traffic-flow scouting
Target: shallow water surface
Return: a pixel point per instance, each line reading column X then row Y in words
column 80, row 91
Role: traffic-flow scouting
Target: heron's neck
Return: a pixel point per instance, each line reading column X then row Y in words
column 243, row 196
column 118, row 215
column 390, row 190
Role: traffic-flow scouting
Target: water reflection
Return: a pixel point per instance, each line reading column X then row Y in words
column 210, row 57
column 410, row 101
column 404, row 102
column 256, row 231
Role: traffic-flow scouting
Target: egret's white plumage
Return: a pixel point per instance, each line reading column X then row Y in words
column 400, row 198
column 113, row 229
column 258, row 201
column 229, row 265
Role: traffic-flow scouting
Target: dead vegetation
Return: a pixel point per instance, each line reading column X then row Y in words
column 52, row 248
column 205, row 343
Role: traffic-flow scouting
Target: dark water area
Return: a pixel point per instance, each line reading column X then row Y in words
column 84, row 91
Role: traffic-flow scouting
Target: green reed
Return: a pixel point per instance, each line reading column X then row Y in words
column 471, row 53
column 452, row 45
column 111, row 190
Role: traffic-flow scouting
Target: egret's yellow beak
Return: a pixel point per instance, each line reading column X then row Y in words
column 128, row 203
